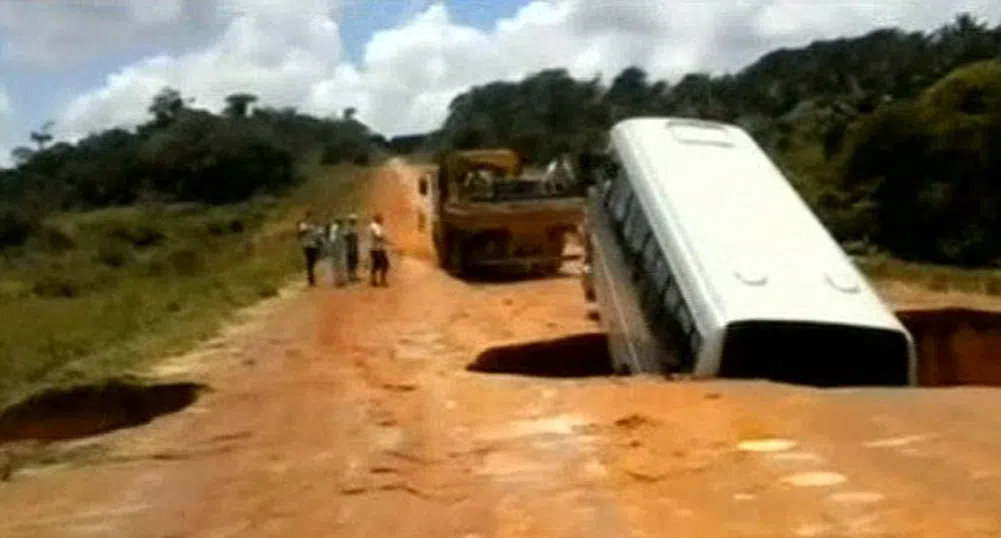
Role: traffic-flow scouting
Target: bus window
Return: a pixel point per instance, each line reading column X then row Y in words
column 621, row 196
column 696, row 341
column 651, row 257
column 685, row 319
column 661, row 275
column 635, row 227
column 672, row 297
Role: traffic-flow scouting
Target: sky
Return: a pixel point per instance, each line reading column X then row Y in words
column 88, row 65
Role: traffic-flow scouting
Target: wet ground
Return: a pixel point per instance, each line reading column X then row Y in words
column 438, row 408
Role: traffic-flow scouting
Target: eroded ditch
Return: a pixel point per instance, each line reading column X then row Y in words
column 955, row 347
column 579, row 355
column 88, row 410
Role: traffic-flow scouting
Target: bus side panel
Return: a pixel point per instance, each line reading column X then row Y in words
column 630, row 342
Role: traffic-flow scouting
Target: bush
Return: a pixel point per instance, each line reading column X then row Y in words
column 223, row 226
column 58, row 286
column 114, row 254
column 140, row 234
column 16, row 225
column 56, row 238
column 186, row 261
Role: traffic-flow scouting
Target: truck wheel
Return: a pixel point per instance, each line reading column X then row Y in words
column 454, row 256
column 440, row 247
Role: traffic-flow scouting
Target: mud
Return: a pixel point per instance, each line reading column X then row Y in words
column 353, row 413
column 956, row 346
column 94, row 409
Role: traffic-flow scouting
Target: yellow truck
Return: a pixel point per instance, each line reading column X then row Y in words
column 485, row 211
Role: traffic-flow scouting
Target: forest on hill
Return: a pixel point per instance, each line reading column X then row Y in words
column 893, row 137
column 181, row 154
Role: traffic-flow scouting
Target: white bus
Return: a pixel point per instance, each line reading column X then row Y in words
column 704, row 260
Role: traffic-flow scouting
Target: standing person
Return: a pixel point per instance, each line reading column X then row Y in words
column 351, row 246
column 337, row 252
column 377, row 246
column 311, row 239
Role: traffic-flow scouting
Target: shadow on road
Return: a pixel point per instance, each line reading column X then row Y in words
column 581, row 355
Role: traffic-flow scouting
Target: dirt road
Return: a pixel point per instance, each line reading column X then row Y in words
column 366, row 412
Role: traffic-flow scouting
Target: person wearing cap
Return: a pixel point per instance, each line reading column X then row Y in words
column 351, row 246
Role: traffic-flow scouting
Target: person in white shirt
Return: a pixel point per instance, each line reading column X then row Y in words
column 377, row 246
column 337, row 250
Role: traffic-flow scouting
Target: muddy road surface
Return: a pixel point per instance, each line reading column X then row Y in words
column 439, row 408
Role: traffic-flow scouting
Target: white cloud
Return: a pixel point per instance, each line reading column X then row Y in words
column 5, row 106
column 6, row 113
column 53, row 33
column 290, row 54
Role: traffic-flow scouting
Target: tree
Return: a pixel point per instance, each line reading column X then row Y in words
column 21, row 155
column 166, row 106
column 238, row 104
column 629, row 93
column 42, row 136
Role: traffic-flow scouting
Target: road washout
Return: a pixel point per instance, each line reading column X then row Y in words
column 356, row 412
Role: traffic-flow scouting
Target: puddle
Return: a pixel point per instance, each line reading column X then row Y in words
column 857, row 497
column 813, row 479
column 564, row 425
column 797, row 457
column 92, row 409
column 896, row 442
column 509, row 467
column 766, row 445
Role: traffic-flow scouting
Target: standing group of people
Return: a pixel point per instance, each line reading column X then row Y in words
column 338, row 241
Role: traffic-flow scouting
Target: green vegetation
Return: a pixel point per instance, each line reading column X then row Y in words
column 130, row 244
column 133, row 244
column 892, row 137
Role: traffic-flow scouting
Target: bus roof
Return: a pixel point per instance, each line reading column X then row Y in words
column 733, row 217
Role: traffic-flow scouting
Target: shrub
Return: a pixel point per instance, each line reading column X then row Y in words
column 16, row 225
column 58, row 285
column 56, row 238
column 186, row 261
column 114, row 254
column 139, row 234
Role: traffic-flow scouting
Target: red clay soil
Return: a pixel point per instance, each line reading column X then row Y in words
column 351, row 413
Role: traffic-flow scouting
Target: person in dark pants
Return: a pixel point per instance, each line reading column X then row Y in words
column 351, row 244
column 311, row 239
column 378, row 249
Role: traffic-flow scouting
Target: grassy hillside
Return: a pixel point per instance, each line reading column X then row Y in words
column 100, row 292
column 130, row 244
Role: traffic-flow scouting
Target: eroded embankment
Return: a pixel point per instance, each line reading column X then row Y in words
column 956, row 346
column 92, row 409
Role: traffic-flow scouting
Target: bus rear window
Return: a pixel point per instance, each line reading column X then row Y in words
column 823, row 355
